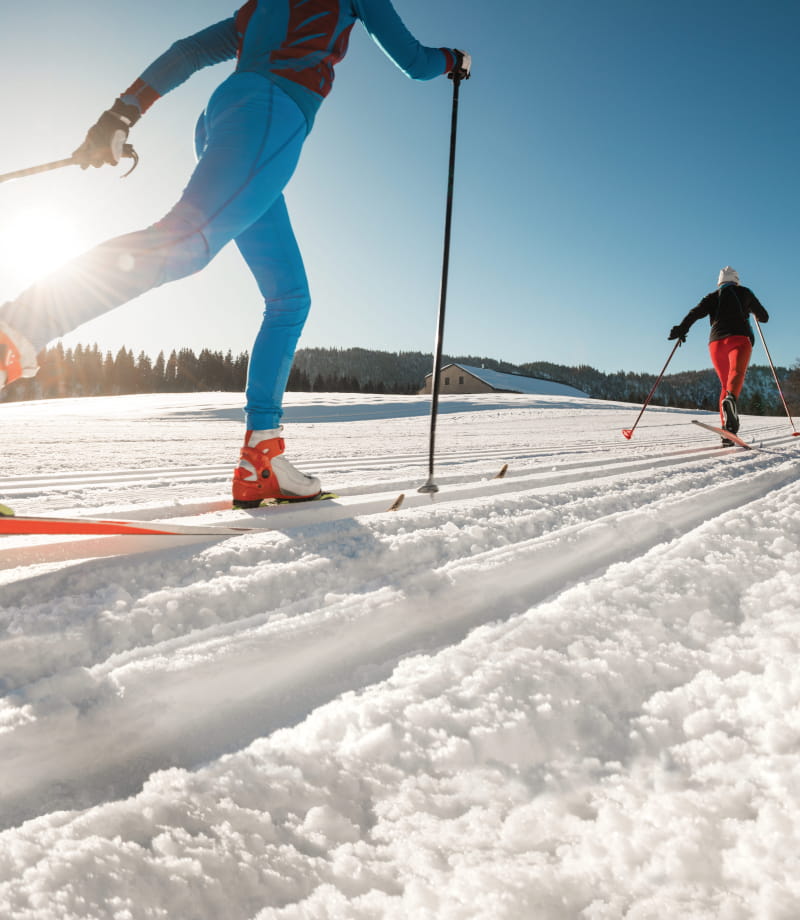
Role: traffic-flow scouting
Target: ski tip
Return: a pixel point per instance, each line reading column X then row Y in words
column 627, row 433
column 5, row 511
column 502, row 472
column 796, row 434
column 397, row 502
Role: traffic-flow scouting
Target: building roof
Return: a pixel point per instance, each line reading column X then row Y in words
column 516, row 383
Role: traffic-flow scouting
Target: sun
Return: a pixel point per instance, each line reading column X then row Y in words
column 35, row 241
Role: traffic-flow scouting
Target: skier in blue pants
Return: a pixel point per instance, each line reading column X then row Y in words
column 248, row 143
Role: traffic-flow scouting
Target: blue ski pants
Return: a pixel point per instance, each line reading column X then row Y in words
column 248, row 143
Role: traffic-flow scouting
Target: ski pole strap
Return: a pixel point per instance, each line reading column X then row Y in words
column 129, row 152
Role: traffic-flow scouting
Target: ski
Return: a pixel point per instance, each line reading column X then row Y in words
column 45, row 525
column 119, row 537
column 724, row 434
column 26, row 525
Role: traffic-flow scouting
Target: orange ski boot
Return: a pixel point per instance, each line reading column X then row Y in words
column 263, row 473
column 17, row 356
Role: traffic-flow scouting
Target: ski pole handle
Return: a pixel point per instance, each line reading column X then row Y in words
column 127, row 152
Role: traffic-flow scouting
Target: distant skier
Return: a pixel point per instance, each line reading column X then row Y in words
column 248, row 142
column 731, row 339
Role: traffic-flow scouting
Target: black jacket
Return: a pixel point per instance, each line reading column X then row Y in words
column 728, row 310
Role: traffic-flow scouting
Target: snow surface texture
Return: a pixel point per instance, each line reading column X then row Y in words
column 569, row 693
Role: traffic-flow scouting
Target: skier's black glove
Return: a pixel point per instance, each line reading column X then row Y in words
column 677, row 333
column 106, row 138
column 463, row 65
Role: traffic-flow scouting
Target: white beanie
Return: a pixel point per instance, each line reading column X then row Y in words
column 728, row 275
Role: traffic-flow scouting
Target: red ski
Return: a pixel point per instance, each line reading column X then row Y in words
column 11, row 523
column 21, row 524
column 729, row 435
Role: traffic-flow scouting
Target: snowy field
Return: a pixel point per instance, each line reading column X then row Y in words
column 572, row 692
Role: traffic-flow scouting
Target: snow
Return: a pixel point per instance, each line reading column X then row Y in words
column 568, row 693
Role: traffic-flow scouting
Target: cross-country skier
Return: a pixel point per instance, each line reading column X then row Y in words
column 248, row 142
column 731, row 339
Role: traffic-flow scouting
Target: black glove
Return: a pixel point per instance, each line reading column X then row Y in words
column 106, row 138
column 677, row 333
column 463, row 65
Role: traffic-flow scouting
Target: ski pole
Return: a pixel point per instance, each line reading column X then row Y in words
column 795, row 432
column 430, row 485
column 628, row 432
column 127, row 151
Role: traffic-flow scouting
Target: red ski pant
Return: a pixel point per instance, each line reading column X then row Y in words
column 730, row 357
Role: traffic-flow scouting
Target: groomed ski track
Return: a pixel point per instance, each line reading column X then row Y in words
column 351, row 501
column 224, row 665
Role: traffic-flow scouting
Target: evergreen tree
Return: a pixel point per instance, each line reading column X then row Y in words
column 298, row 380
column 240, row 367
column 108, row 374
column 159, row 373
column 186, row 377
column 76, row 384
column 91, row 374
column 143, row 379
column 791, row 389
column 124, row 373
column 171, row 374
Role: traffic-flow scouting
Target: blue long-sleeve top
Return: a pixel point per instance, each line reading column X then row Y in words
column 295, row 43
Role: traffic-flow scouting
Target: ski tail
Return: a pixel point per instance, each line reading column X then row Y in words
column 724, row 433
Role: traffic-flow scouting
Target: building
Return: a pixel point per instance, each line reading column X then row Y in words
column 462, row 378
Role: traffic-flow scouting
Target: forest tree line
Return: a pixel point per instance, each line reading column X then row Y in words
column 86, row 371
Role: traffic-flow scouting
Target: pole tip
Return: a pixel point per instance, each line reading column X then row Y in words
column 628, row 433
column 429, row 487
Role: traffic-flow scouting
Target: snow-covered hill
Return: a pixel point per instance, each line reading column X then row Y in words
column 568, row 693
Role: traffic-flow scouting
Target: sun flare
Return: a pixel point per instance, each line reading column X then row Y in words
column 36, row 241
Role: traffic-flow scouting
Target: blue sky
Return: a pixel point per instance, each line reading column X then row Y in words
column 611, row 158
